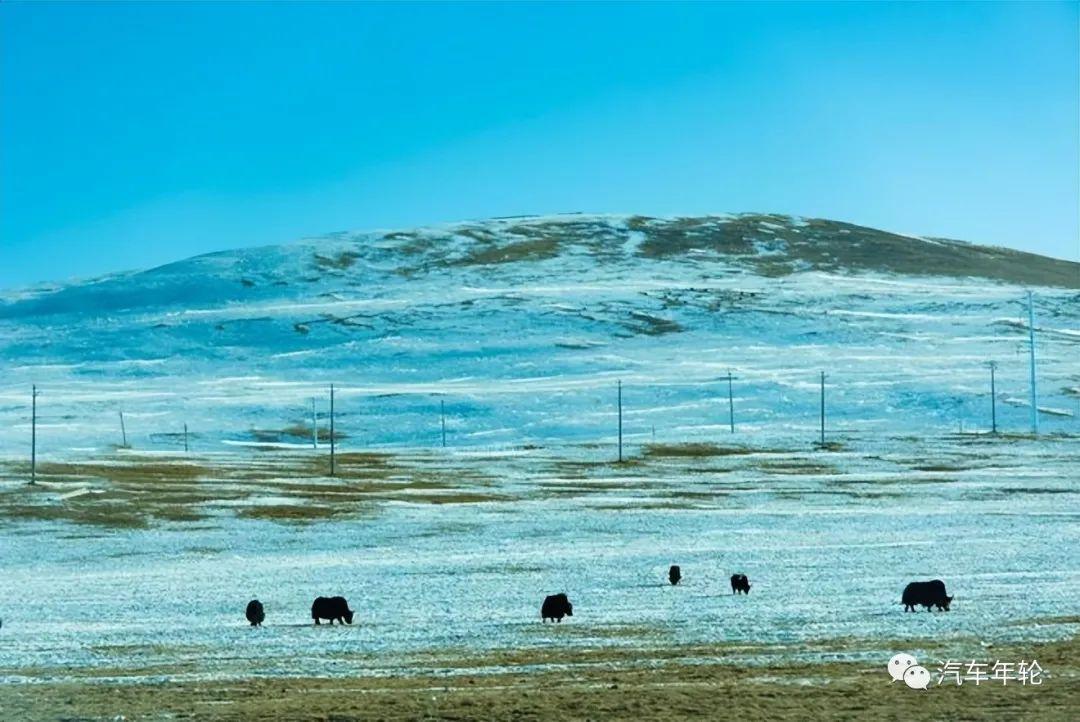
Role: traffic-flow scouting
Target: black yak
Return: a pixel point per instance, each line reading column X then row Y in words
column 739, row 583
column 255, row 613
column 556, row 607
column 928, row 594
column 674, row 574
column 331, row 608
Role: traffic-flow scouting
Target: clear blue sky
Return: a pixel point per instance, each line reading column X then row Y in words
column 136, row 134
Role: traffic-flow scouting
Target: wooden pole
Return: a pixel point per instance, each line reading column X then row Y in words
column 730, row 403
column 123, row 431
column 993, row 399
column 314, row 426
column 822, row 408
column 1034, row 392
column 33, row 435
column 332, row 442
column 620, row 420
column 442, row 419
column 185, row 438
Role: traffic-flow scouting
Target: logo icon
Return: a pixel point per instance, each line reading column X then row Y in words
column 917, row 677
column 899, row 664
column 905, row 668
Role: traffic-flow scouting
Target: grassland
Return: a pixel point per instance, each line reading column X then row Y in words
column 605, row 663
column 670, row 684
column 131, row 491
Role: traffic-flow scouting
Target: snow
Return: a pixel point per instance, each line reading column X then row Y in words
column 828, row 554
column 529, row 353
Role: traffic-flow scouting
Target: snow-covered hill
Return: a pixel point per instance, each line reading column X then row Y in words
column 523, row 326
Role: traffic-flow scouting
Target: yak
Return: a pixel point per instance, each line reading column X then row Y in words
column 674, row 574
column 331, row 608
column 928, row 594
column 255, row 613
column 555, row 607
column 739, row 583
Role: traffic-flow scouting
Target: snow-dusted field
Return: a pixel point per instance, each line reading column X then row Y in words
column 522, row 328
column 828, row 539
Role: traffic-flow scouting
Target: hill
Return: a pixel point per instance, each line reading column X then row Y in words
column 523, row 325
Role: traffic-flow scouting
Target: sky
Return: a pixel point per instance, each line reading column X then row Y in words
column 135, row 134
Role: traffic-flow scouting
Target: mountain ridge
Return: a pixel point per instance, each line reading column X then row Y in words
column 772, row 245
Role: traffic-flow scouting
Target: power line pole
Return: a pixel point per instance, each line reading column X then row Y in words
column 33, row 435
column 185, row 438
column 332, row 430
column 620, row 420
column 1031, row 358
column 730, row 403
column 822, row 408
column 442, row 420
column 993, row 398
column 314, row 426
column 123, row 431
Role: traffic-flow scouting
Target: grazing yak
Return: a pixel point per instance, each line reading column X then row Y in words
column 556, row 607
column 739, row 583
column 928, row 594
column 255, row 613
column 674, row 574
column 331, row 608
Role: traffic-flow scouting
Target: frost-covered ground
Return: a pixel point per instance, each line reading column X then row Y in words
column 828, row 539
column 522, row 327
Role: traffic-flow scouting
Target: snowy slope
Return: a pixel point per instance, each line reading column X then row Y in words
column 523, row 325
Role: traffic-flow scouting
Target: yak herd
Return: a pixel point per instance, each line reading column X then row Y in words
column 556, row 606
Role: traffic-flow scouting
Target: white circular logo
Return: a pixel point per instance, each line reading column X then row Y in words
column 899, row 664
column 917, row 677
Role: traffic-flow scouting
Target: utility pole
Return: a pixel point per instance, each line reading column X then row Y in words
column 620, row 420
column 331, row 429
column 33, row 435
column 185, row 438
column 1031, row 357
column 822, row 408
column 442, row 420
column 123, row 431
column 730, row 403
column 993, row 398
column 314, row 426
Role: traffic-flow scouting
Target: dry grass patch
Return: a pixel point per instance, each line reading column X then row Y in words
column 123, row 471
column 112, row 515
column 662, row 684
column 462, row 497
column 298, row 513
column 796, row 466
column 696, row 450
column 939, row 467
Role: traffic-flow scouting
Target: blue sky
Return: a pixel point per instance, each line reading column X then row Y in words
column 135, row 134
